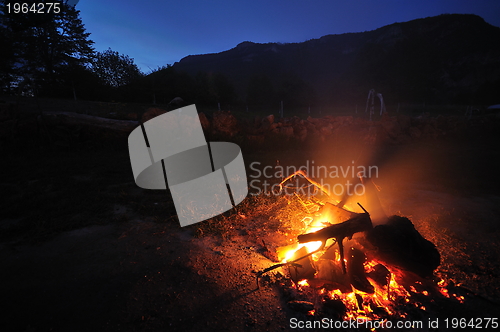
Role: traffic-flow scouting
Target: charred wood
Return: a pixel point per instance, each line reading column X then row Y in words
column 398, row 243
column 359, row 223
column 380, row 274
column 356, row 271
column 303, row 268
column 330, row 277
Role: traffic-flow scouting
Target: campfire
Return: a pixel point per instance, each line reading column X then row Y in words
column 348, row 262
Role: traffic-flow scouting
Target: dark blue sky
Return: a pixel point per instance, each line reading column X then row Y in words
column 156, row 33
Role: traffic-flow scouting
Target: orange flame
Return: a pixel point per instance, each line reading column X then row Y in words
column 359, row 305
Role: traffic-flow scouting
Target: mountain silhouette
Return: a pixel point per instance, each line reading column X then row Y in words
column 450, row 58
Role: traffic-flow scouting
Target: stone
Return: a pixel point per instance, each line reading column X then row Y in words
column 414, row 132
column 269, row 118
column 176, row 103
column 224, row 123
column 429, row 131
column 257, row 121
column 152, row 112
column 370, row 135
column 390, row 125
column 344, row 120
column 314, row 121
column 326, row 130
column 300, row 132
column 267, row 123
column 205, row 123
column 286, row 131
column 404, row 122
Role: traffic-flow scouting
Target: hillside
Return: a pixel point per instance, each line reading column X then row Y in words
column 453, row 58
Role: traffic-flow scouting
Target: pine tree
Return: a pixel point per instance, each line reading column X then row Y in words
column 43, row 47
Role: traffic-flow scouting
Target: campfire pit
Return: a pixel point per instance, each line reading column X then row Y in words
column 342, row 265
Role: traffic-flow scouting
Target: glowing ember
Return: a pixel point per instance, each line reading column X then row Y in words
column 361, row 305
column 386, row 301
column 303, row 283
column 369, row 289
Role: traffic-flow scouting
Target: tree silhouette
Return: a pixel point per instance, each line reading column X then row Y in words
column 115, row 69
column 41, row 48
column 260, row 92
column 224, row 90
column 205, row 93
column 295, row 92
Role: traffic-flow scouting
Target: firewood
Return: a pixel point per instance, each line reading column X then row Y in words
column 356, row 271
column 303, row 268
column 292, row 263
column 330, row 276
column 380, row 274
column 399, row 244
column 359, row 223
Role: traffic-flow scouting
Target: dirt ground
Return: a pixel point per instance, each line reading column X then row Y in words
column 131, row 271
column 136, row 277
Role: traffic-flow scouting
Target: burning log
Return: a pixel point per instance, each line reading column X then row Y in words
column 356, row 271
column 303, row 268
column 359, row 223
column 386, row 264
column 330, row 276
column 380, row 274
column 294, row 263
column 398, row 243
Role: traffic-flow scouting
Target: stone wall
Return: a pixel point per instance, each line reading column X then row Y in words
column 259, row 132
column 399, row 129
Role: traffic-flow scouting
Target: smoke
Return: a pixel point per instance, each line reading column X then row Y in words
column 398, row 168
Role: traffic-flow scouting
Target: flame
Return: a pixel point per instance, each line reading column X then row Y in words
column 386, row 300
column 312, row 226
column 303, row 283
column 360, row 305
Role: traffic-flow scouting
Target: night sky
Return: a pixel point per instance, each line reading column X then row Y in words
column 157, row 33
